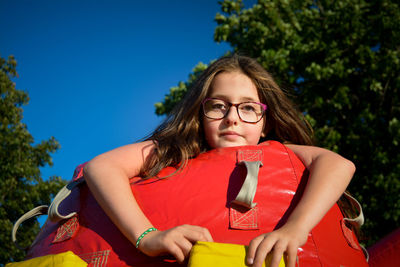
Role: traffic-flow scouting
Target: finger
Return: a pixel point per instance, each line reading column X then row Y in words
column 176, row 251
column 291, row 256
column 262, row 251
column 205, row 233
column 251, row 251
column 277, row 253
column 196, row 233
column 185, row 246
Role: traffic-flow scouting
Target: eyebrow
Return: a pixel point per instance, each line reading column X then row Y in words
column 243, row 99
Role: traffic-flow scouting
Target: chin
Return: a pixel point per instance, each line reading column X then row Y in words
column 229, row 144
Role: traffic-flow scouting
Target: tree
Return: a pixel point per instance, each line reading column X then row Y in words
column 176, row 93
column 340, row 62
column 21, row 186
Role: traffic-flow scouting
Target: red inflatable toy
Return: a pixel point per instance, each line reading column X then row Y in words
column 386, row 252
column 208, row 192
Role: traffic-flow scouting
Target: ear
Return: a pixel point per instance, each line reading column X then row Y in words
column 263, row 134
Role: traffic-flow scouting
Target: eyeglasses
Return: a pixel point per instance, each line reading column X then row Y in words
column 251, row 112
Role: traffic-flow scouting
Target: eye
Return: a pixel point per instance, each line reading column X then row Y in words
column 248, row 107
column 218, row 105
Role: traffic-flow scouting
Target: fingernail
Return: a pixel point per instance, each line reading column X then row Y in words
column 250, row 261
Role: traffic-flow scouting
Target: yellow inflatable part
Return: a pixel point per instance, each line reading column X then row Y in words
column 206, row 254
column 66, row 259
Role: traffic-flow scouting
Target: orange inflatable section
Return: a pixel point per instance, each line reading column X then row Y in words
column 202, row 194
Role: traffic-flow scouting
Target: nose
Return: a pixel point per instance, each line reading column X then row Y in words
column 232, row 116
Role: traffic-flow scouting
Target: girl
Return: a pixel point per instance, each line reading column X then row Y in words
column 234, row 102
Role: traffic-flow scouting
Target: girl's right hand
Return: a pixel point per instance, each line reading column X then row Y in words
column 177, row 241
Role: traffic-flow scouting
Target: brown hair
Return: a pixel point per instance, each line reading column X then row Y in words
column 180, row 137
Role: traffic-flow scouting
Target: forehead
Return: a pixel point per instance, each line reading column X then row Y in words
column 233, row 86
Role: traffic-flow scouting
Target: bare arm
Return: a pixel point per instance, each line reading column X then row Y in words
column 107, row 176
column 329, row 176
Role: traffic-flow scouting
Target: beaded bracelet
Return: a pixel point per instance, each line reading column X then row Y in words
column 145, row 233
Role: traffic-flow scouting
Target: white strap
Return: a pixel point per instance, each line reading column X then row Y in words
column 359, row 220
column 52, row 211
column 248, row 191
column 54, row 215
column 40, row 210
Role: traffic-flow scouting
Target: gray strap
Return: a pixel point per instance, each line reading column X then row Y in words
column 40, row 210
column 359, row 220
column 248, row 191
column 54, row 215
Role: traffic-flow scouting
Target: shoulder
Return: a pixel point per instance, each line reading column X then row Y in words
column 141, row 149
column 310, row 154
column 129, row 158
column 307, row 154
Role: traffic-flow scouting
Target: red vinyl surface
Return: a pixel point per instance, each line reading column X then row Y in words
column 201, row 194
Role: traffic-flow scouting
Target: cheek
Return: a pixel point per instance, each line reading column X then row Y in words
column 256, row 134
column 263, row 134
column 208, row 130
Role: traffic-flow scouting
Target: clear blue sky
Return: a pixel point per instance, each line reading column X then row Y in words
column 94, row 69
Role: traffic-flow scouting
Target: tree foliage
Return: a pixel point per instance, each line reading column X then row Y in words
column 340, row 62
column 21, row 185
column 176, row 93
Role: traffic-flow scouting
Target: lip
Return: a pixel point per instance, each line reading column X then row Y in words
column 229, row 133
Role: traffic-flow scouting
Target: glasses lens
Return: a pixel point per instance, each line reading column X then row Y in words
column 215, row 108
column 250, row 112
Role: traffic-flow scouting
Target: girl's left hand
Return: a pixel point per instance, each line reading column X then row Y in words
column 286, row 239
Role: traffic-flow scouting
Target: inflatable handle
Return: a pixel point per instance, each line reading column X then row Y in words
column 248, row 191
column 52, row 211
column 40, row 210
column 54, row 215
column 359, row 220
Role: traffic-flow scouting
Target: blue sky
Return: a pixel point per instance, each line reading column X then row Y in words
column 94, row 69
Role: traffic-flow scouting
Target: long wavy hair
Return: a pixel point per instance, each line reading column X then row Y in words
column 181, row 137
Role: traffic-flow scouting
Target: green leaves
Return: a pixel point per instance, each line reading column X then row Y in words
column 231, row 6
column 340, row 60
column 176, row 93
column 394, row 130
column 21, row 185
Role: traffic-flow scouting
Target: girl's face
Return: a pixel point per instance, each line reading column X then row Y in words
column 233, row 87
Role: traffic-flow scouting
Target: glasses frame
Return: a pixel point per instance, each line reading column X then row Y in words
column 264, row 108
